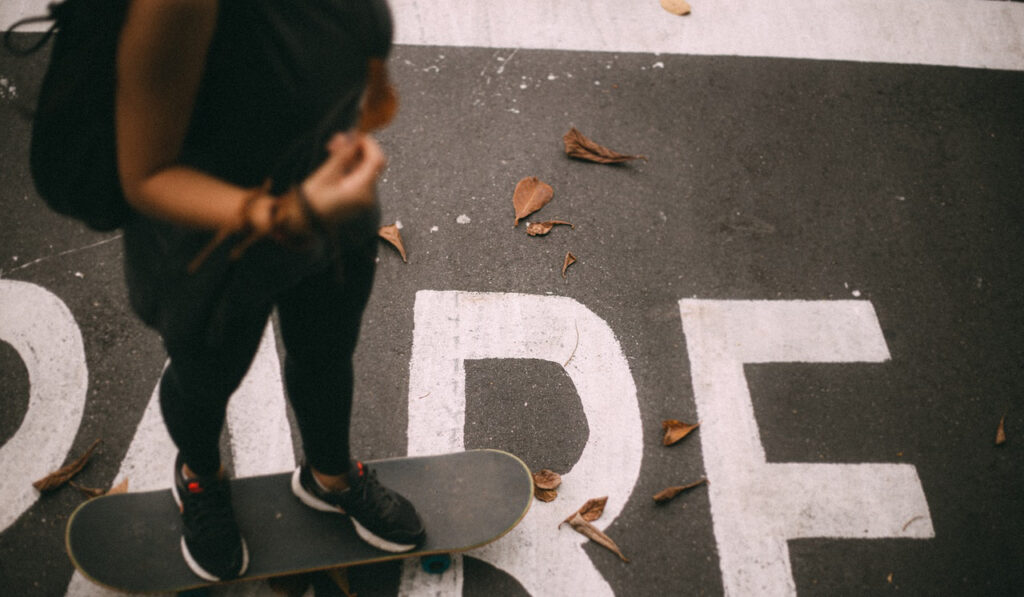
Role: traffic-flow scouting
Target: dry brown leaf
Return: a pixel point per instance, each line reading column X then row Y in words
column 380, row 101
column 542, row 228
column 591, row 532
column 545, row 495
column 569, row 260
column 669, row 493
column 676, row 430
column 530, row 195
column 545, row 482
column 676, row 7
column 1001, row 432
column 547, row 479
column 394, row 237
column 121, row 487
column 64, row 474
column 580, row 147
column 590, row 511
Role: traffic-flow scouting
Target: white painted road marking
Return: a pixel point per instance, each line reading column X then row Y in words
column 43, row 331
column 757, row 506
column 972, row 33
column 453, row 327
column 975, row 33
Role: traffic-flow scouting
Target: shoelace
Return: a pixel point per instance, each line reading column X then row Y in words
column 374, row 493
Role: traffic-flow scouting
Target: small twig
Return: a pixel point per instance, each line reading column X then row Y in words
column 566, row 363
column 911, row 521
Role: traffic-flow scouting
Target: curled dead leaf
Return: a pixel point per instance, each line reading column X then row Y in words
column 591, row 532
column 547, row 479
column 542, row 228
column 676, row 430
column 590, row 511
column 545, row 483
column 380, row 101
column 676, row 7
column 64, row 474
column 394, row 238
column 1001, row 431
column 530, row 195
column 669, row 493
column 569, row 260
column 545, row 495
column 580, row 147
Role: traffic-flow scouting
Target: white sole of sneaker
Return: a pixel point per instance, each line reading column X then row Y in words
column 379, row 542
column 202, row 573
column 313, row 502
column 308, row 498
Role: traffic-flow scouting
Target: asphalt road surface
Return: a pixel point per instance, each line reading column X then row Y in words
column 819, row 260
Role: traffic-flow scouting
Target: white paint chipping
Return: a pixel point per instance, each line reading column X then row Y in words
column 756, row 506
column 463, row 219
column 43, row 331
column 453, row 327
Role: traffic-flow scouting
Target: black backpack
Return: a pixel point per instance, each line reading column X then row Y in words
column 73, row 153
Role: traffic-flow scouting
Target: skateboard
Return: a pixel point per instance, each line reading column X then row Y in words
column 131, row 542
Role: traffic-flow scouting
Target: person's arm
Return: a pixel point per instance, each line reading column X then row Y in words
column 161, row 59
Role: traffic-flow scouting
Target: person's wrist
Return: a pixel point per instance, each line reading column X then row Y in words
column 294, row 221
column 314, row 218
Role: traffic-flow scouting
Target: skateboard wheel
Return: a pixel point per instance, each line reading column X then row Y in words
column 437, row 563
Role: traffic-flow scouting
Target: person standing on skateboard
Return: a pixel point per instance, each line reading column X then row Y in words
column 247, row 198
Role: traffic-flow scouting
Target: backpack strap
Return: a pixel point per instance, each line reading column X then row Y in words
column 55, row 14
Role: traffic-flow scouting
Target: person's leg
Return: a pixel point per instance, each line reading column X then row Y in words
column 197, row 385
column 320, row 322
column 211, row 330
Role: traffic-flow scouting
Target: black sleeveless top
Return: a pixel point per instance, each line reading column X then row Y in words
column 281, row 77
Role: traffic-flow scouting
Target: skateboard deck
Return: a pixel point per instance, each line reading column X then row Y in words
column 131, row 542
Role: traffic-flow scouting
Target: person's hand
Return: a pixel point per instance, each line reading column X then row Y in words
column 345, row 184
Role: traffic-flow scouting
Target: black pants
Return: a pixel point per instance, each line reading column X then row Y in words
column 212, row 322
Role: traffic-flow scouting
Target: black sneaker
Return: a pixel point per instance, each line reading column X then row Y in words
column 382, row 517
column 210, row 541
